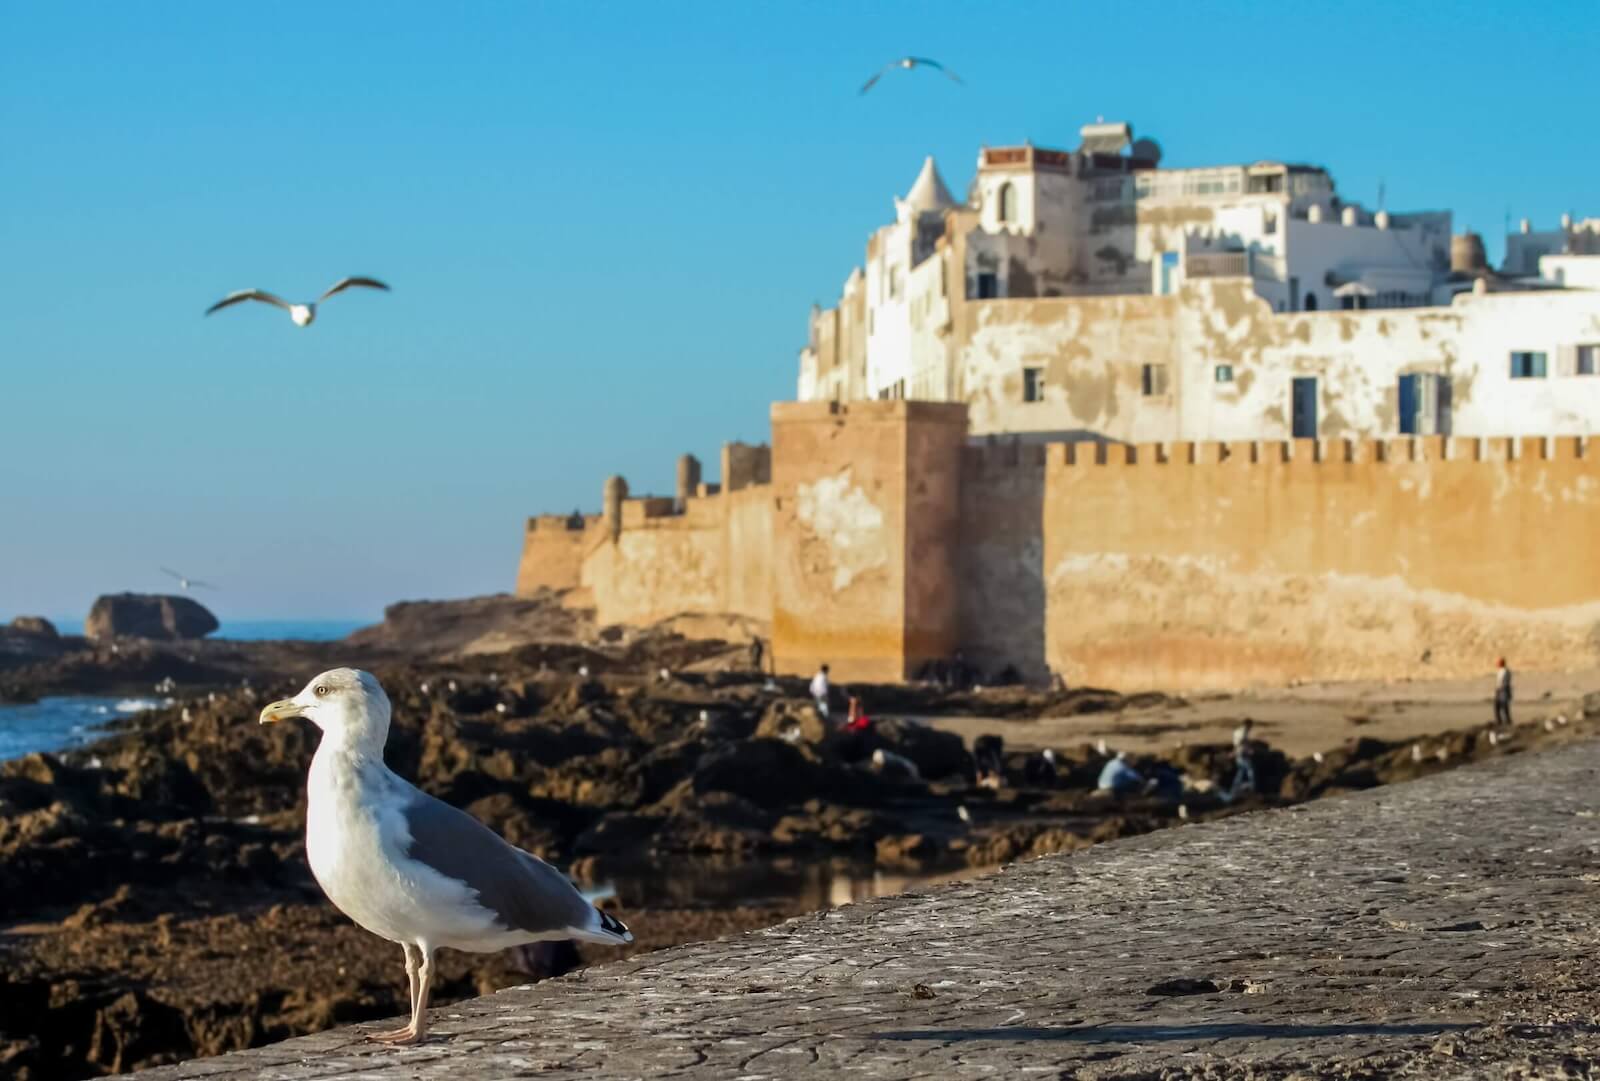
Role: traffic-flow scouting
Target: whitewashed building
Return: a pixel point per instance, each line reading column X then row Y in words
column 1093, row 294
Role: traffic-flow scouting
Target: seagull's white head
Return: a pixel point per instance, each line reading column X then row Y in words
column 303, row 314
column 344, row 702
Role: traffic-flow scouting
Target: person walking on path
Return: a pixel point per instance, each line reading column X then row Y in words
column 1502, row 694
column 819, row 692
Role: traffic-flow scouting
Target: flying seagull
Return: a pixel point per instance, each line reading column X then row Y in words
column 409, row 868
column 186, row 583
column 302, row 314
column 909, row 62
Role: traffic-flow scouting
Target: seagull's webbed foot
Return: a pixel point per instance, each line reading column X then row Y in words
column 398, row 1036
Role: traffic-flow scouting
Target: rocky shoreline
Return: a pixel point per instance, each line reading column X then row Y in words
column 156, row 905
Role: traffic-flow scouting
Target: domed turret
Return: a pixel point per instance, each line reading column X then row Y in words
column 928, row 191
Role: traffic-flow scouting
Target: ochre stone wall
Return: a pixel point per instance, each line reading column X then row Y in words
column 553, row 552
column 885, row 539
column 1222, row 565
column 662, row 563
column 861, row 492
column 1001, row 557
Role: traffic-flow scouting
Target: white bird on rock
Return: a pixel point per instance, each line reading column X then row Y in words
column 302, row 314
column 409, row 868
column 907, row 63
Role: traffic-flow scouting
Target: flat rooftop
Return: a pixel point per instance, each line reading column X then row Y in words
column 1449, row 927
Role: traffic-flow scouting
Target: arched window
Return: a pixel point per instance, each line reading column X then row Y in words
column 1008, row 203
column 1311, row 302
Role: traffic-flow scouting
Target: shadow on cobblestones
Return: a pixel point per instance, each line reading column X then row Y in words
column 1158, row 1033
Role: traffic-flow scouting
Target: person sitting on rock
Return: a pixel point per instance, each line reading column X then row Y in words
column 988, row 756
column 1040, row 769
column 1119, row 778
column 855, row 720
column 1165, row 783
column 894, row 766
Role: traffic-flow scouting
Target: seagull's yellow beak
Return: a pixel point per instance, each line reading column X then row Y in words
column 282, row 710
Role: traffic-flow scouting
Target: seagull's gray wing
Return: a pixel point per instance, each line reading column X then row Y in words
column 937, row 67
column 524, row 892
column 345, row 283
column 248, row 294
column 175, row 574
column 881, row 73
column 202, row 585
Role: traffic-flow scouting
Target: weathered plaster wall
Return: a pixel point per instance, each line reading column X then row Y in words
column 838, row 524
column 552, row 553
column 1425, row 557
column 712, row 558
column 848, row 524
column 661, row 565
column 1093, row 350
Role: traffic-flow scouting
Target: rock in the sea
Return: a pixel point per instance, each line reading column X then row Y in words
column 148, row 615
column 34, row 627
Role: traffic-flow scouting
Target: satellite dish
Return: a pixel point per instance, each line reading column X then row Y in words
column 1146, row 149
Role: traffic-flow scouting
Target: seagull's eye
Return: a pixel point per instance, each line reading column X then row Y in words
column 320, row 690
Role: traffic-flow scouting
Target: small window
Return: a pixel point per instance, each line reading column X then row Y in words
column 1153, row 380
column 1588, row 362
column 1528, row 365
column 988, row 285
column 894, row 282
column 1224, row 373
column 1008, row 203
column 1033, row 384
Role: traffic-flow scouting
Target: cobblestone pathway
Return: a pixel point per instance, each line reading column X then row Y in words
column 1444, row 928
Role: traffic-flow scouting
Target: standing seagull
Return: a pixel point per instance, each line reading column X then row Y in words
column 909, row 62
column 409, row 868
column 302, row 314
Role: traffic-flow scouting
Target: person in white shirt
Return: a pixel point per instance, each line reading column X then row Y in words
column 819, row 691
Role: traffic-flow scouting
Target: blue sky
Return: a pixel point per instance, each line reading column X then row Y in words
column 604, row 224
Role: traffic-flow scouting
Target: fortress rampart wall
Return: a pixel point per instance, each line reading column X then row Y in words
column 884, row 538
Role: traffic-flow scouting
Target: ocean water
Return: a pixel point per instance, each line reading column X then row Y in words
column 57, row 723
column 260, row 630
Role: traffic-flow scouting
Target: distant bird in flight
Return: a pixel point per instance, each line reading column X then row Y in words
column 302, row 314
column 186, row 583
column 909, row 62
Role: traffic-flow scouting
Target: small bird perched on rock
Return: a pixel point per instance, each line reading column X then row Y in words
column 303, row 315
column 410, row 868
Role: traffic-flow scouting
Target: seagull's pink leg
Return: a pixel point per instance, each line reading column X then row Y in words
column 418, row 1028
column 404, row 1035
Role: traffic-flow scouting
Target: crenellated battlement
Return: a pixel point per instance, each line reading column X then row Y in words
column 1302, row 452
column 563, row 523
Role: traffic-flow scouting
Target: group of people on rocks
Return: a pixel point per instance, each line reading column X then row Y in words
column 1118, row 776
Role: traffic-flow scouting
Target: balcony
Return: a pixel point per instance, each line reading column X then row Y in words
column 1222, row 264
column 1234, row 264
